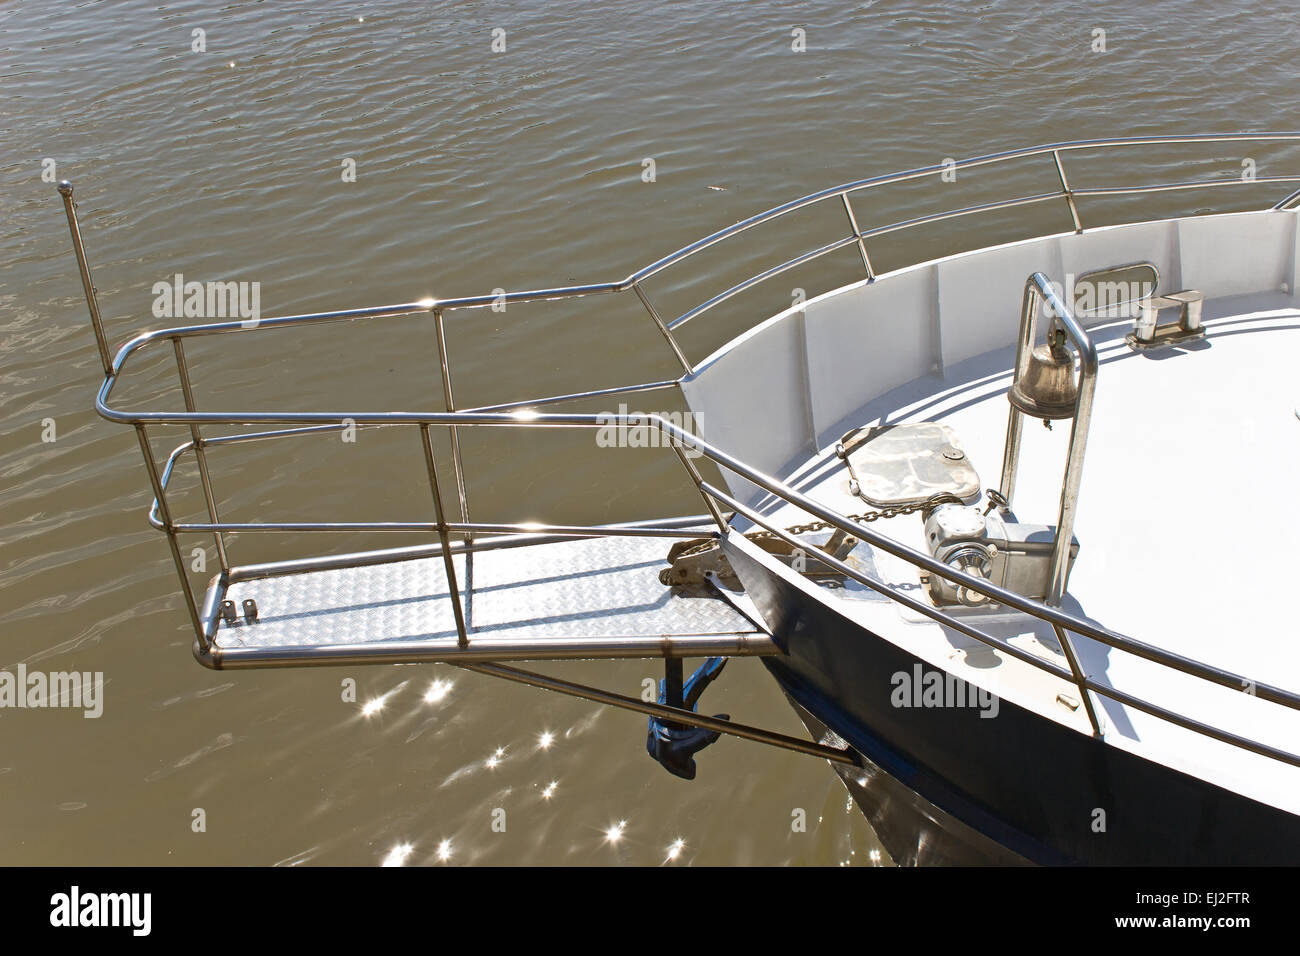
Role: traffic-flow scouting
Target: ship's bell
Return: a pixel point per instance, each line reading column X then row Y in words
column 1048, row 388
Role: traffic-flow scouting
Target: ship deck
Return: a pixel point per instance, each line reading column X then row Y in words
column 1184, row 522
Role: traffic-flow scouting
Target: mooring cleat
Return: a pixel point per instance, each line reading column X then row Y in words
column 674, row 744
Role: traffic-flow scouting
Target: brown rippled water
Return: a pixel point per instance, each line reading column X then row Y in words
column 475, row 170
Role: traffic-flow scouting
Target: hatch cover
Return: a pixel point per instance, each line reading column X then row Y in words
column 896, row 465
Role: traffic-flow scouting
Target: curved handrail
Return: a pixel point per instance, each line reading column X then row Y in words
column 634, row 281
column 921, row 171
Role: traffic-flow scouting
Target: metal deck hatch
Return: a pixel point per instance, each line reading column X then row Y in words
column 893, row 465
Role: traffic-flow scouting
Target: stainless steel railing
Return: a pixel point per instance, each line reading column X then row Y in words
column 1062, row 622
column 480, row 536
column 857, row 236
column 114, row 368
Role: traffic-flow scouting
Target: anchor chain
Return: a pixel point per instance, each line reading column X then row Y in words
column 678, row 575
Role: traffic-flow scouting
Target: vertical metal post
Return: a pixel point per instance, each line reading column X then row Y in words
column 1011, row 454
column 1073, row 470
column 668, row 335
column 453, row 588
column 1065, row 187
column 457, row 461
column 164, row 512
column 1015, row 421
column 699, row 482
column 452, row 429
column 200, row 453
column 1068, row 648
column 87, row 283
column 857, row 233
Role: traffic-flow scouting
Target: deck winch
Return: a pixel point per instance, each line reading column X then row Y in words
column 921, row 466
column 991, row 545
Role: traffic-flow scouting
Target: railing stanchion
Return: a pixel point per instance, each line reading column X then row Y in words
column 857, row 234
column 461, row 635
column 1080, row 680
column 165, row 513
column 1065, row 187
column 457, row 462
column 87, row 283
column 451, row 407
column 1015, row 420
column 668, row 336
column 200, row 453
column 699, row 485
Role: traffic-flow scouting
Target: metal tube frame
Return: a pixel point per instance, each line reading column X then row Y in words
column 520, row 535
column 451, row 407
column 200, row 454
column 458, row 465
column 857, row 234
column 87, row 283
column 1065, row 188
column 920, row 559
column 663, row 328
column 1062, row 622
column 675, row 714
column 444, row 536
column 160, row 499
